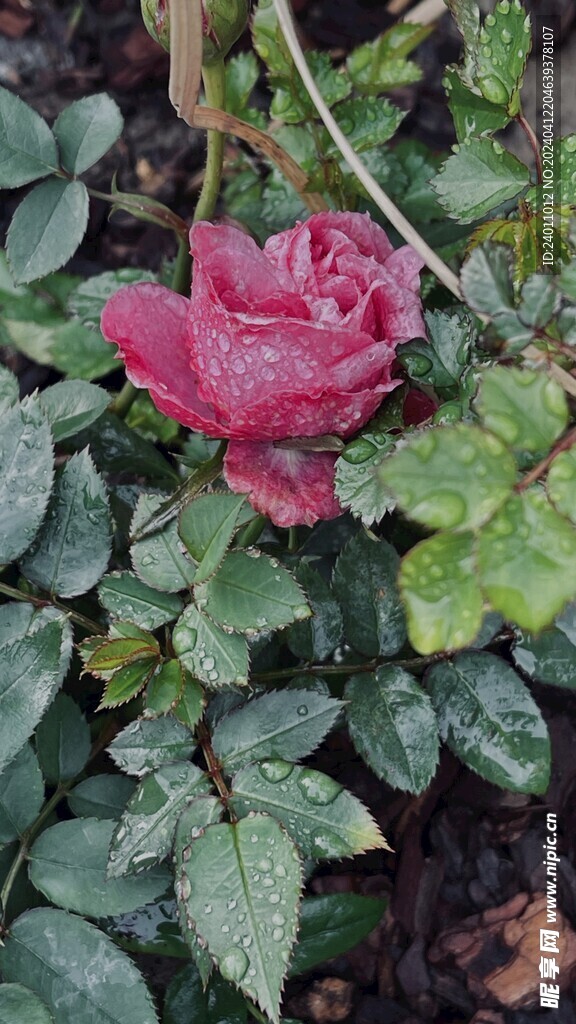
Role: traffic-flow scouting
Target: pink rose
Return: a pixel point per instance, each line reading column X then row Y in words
column 296, row 340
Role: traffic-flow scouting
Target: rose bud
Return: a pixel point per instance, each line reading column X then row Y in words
column 223, row 22
column 295, row 340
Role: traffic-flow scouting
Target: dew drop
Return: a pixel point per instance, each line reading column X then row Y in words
column 233, row 965
column 275, row 771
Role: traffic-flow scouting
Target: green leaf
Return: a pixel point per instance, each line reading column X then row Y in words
column 72, row 548
column 216, row 657
column 366, row 122
column 187, row 1003
column 291, row 102
column 207, row 526
column 365, row 584
column 488, row 718
column 203, row 811
column 67, row 863
column 452, row 477
column 116, row 448
column 62, row 740
column 473, row 115
column 165, row 688
column 561, row 484
column 160, row 559
column 538, row 300
column 113, row 654
column 145, row 831
column 192, row 701
column 101, row 796
column 9, row 389
column 72, row 405
column 26, row 474
column 47, row 228
column 19, row 619
column 525, row 577
column 64, row 959
column 80, row 352
column 21, row 795
column 147, row 743
column 478, row 177
column 153, row 929
column 357, row 483
column 19, row 1004
column 127, row 682
column 251, row 591
column 317, row 637
column 439, row 587
column 525, row 408
column 27, row 145
column 381, row 65
column 86, row 130
column 393, row 727
column 505, row 41
column 550, row 657
column 331, row 925
column 126, row 597
column 260, row 861
column 242, row 73
column 486, row 281
column 288, row 724
column 323, row 818
column 442, row 360
column 30, row 673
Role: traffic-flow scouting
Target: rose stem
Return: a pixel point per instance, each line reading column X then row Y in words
column 214, row 78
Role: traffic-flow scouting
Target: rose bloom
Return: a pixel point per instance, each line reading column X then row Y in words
column 292, row 341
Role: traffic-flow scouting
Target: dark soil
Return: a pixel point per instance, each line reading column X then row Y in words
column 458, row 943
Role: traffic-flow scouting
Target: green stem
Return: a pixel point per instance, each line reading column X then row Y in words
column 345, row 669
column 214, row 78
column 293, row 541
column 251, row 532
column 124, row 400
column 182, row 268
column 42, row 602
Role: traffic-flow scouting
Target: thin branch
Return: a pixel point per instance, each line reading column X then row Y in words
column 566, row 442
column 42, row 602
column 534, row 143
column 385, row 204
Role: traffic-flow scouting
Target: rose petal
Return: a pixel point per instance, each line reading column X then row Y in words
column 286, row 414
column 149, row 324
column 291, row 487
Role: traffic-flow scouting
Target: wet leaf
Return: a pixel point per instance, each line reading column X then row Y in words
column 113, row 654
column 317, row 637
column 21, row 795
column 442, row 359
column 443, row 599
column 47, row 228
column 486, row 280
column 160, row 559
column 72, row 549
column 72, row 405
column 357, row 483
column 86, row 130
column 364, row 582
column 127, row 682
column 192, row 701
column 203, row 811
column 479, row 176
column 251, row 591
column 288, row 724
column 19, row 1004
column 249, row 938
column 165, row 688
column 39, row 952
column 472, row 114
column 146, row 829
column 381, row 65
column 366, row 122
column 488, row 718
column 188, row 1003
column 393, row 726
column 9, row 389
column 67, row 863
column 62, row 740
column 79, row 352
column 116, row 448
column 31, row 670
column 101, row 796
column 207, row 526
column 331, row 925
column 153, row 929
column 561, row 484
column 525, row 577
column 524, row 408
column 214, row 656
column 27, row 145
column 126, row 597
column 323, row 818
column 26, row 474
column 147, row 743
column 452, row 477
column 505, row 40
